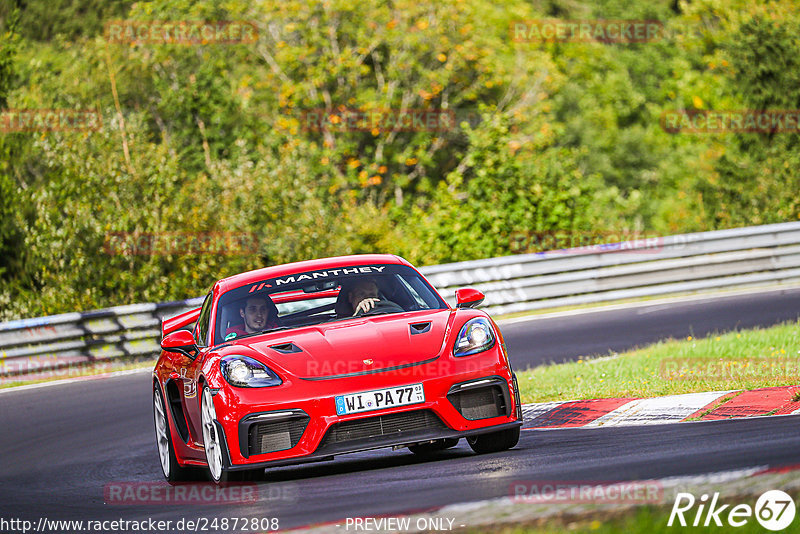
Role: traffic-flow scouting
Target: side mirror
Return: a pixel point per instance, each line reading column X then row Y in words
column 468, row 297
column 180, row 341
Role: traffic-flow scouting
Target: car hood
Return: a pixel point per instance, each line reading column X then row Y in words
column 358, row 345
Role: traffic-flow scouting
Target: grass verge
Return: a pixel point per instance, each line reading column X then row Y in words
column 746, row 359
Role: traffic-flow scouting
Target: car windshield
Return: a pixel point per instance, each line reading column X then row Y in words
column 324, row 295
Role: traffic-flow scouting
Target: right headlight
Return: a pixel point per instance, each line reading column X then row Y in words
column 475, row 336
column 245, row 372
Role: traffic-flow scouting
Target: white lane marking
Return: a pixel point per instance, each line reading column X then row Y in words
column 653, row 309
column 77, row 379
column 645, row 304
column 658, row 410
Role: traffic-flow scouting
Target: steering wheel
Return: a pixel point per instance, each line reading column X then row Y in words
column 381, row 307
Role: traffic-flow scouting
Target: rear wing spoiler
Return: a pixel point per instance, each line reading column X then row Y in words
column 179, row 321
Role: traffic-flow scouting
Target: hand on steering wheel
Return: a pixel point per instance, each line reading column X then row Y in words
column 365, row 305
column 379, row 307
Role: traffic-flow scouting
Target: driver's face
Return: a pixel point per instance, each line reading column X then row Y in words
column 361, row 291
column 255, row 315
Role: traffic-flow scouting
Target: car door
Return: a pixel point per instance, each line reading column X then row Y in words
column 188, row 370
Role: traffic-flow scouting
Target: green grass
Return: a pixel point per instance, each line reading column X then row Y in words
column 746, row 359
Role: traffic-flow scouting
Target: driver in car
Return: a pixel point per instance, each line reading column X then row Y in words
column 363, row 297
column 258, row 315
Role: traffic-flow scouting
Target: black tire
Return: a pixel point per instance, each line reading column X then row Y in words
column 425, row 449
column 219, row 473
column 170, row 468
column 495, row 441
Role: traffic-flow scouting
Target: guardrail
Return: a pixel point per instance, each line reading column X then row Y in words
column 31, row 346
column 658, row 266
column 740, row 257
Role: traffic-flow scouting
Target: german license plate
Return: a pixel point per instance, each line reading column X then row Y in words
column 379, row 399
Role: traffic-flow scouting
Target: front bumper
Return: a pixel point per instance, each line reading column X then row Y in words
column 457, row 404
column 328, row 454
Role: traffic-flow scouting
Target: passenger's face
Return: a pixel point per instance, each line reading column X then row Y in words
column 255, row 315
column 361, row 291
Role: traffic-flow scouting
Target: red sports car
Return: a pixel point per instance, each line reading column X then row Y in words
column 305, row 361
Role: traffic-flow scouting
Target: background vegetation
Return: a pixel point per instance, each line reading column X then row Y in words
column 560, row 136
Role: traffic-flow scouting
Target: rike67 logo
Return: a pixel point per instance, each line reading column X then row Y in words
column 774, row 510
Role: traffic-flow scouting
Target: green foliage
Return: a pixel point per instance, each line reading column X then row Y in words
column 216, row 137
column 754, row 177
column 9, row 233
column 8, row 48
column 503, row 189
column 43, row 20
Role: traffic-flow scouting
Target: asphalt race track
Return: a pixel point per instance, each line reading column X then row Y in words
column 62, row 445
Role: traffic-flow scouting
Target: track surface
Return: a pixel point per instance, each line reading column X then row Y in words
column 62, row 444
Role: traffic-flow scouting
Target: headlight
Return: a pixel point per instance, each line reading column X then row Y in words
column 475, row 336
column 245, row 372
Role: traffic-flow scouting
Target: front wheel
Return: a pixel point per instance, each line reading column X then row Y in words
column 495, row 441
column 172, row 470
column 213, row 445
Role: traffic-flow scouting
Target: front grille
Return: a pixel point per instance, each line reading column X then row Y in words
column 390, row 425
column 479, row 403
column 276, row 436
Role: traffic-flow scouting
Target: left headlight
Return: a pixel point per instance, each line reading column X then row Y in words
column 245, row 372
column 475, row 336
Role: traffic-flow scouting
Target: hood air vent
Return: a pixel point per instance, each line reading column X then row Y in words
column 286, row 348
column 420, row 328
